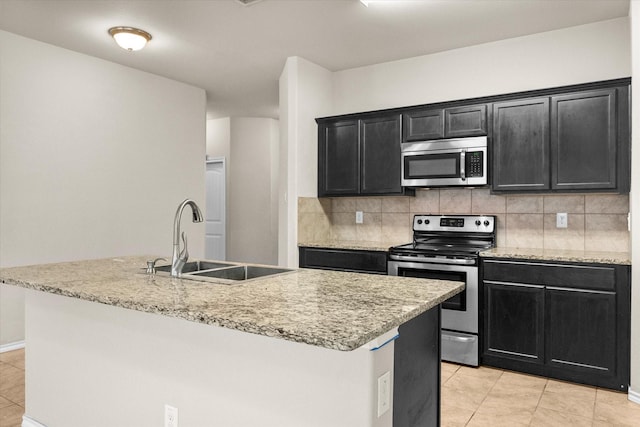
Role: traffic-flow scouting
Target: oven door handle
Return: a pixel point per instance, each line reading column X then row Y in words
column 433, row 260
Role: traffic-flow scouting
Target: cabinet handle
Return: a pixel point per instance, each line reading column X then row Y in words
column 458, row 339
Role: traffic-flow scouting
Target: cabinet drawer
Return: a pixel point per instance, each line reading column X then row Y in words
column 344, row 259
column 558, row 275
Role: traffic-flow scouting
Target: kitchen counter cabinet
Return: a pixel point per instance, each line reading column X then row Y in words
column 338, row 158
column 521, row 145
column 438, row 123
column 514, row 322
column 360, row 156
column 563, row 142
column 563, row 320
column 361, row 261
column 584, row 140
column 104, row 335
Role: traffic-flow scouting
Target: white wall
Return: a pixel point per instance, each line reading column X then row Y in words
column 252, row 212
column 573, row 55
column 219, row 137
column 634, row 14
column 305, row 93
column 94, row 159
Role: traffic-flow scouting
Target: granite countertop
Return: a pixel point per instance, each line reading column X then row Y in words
column 330, row 309
column 621, row 258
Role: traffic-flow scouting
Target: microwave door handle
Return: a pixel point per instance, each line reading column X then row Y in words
column 462, row 163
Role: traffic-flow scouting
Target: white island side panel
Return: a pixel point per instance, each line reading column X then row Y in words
column 93, row 364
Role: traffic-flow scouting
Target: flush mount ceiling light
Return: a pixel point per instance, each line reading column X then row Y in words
column 130, row 38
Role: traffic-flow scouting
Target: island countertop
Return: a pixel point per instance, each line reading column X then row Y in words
column 330, row 309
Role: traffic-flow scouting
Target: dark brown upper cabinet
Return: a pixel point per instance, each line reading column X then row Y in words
column 380, row 155
column 521, row 145
column 360, row 156
column 568, row 139
column 575, row 141
column 338, row 158
column 454, row 122
column 583, row 141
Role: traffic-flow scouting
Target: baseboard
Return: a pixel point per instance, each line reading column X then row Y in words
column 634, row 396
column 30, row 422
column 11, row 346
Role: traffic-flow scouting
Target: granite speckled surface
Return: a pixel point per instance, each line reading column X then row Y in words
column 335, row 310
column 621, row 258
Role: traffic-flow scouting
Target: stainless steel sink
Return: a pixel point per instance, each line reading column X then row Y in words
column 221, row 272
column 241, row 272
column 194, row 266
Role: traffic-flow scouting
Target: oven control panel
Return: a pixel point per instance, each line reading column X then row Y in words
column 460, row 223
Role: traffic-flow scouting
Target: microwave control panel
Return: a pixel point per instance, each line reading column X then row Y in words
column 473, row 166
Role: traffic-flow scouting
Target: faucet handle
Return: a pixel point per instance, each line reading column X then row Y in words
column 151, row 265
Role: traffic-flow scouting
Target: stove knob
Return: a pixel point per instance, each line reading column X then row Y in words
column 419, row 221
column 486, row 222
column 478, row 222
column 426, row 221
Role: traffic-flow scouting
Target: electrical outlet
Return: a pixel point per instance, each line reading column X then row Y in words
column 170, row 416
column 384, row 393
column 562, row 220
column 359, row 217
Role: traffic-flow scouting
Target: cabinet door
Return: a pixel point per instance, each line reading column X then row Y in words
column 423, row 125
column 583, row 140
column 338, row 158
column 380, row 155
column 343, row 260
column 521, row 145
column 514, row 322
column 581, row 331
column 465, row 121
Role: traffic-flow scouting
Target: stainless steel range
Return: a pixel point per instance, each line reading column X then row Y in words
column 447, row 247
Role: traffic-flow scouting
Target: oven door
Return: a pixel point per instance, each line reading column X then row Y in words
column 460, row 313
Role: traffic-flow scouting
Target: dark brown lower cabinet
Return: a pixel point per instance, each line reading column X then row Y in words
column 522, row 308
column 359, row 261
column 561, row 320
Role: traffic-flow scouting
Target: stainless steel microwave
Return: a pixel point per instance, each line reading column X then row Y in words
column 445, row 162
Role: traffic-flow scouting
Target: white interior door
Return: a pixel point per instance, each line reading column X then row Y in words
column 215, row 234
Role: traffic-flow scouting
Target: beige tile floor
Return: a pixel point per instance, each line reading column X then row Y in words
column 470, row 397
column 11, row 388
column 492, row 397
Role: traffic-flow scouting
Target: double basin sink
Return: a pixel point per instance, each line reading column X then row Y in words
column 222, row 272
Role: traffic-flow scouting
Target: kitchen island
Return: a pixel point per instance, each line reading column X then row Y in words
column 110, row 345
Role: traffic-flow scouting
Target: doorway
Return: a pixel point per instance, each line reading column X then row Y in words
column 215, row 225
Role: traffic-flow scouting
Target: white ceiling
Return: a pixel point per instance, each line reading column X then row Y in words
column 237, row 52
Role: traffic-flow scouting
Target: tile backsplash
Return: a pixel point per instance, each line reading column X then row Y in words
column 597, row 222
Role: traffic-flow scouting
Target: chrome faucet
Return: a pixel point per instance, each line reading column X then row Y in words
column 180, row 257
